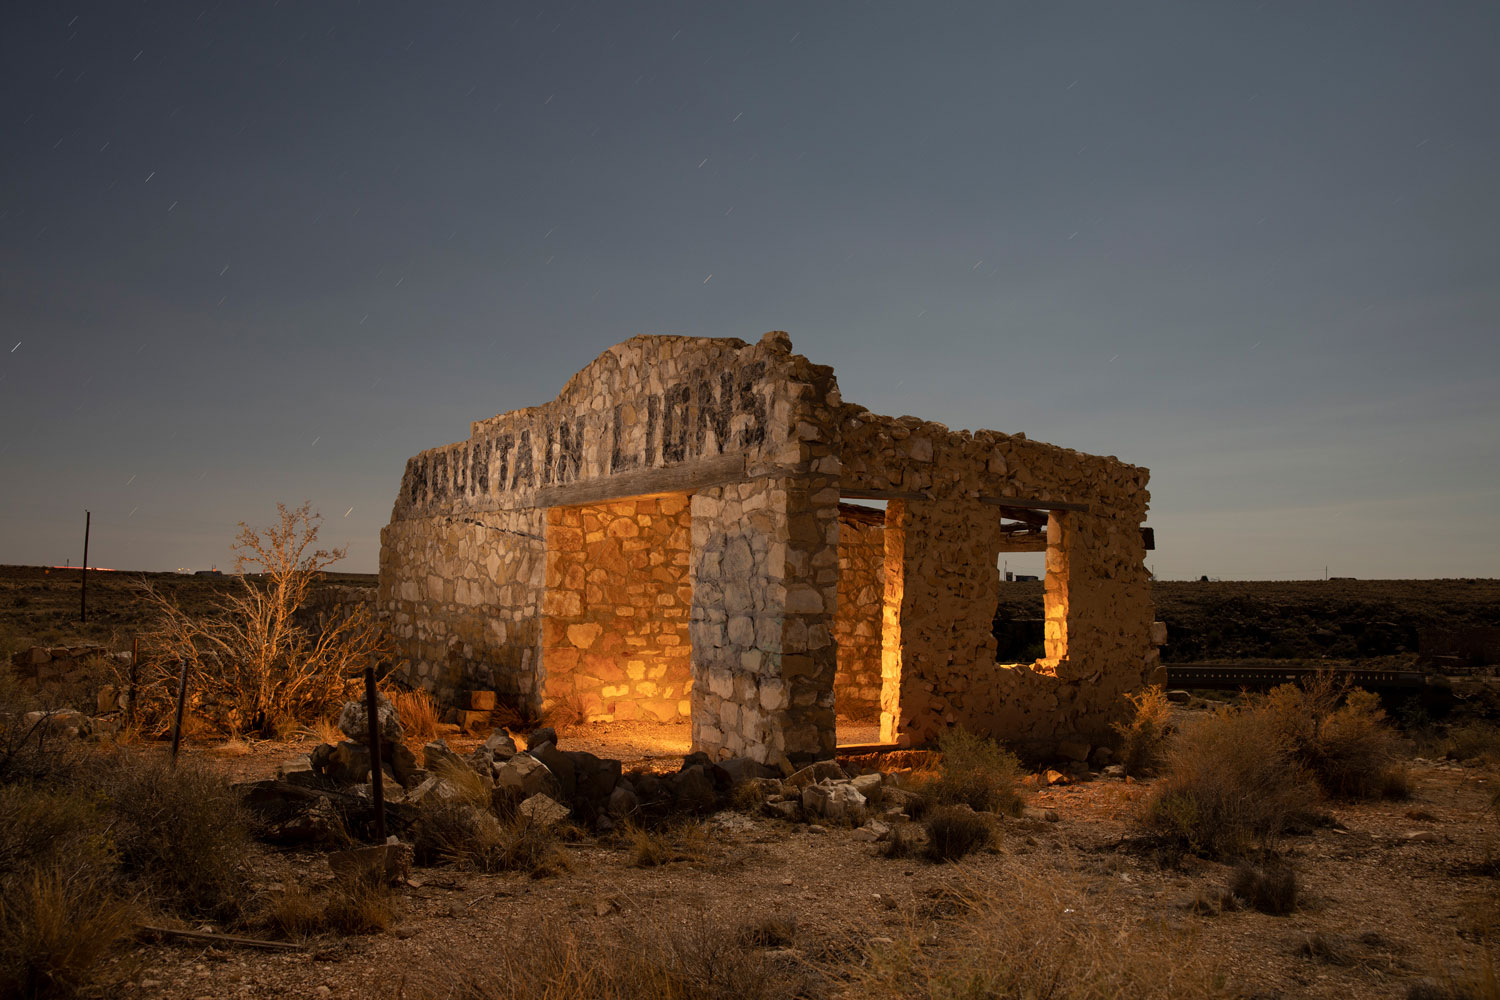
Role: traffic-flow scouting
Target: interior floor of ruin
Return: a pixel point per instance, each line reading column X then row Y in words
column 660, row 746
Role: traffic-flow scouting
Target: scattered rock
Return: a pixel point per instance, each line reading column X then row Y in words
column 1040, row 815
column 1179, row 697
column 837, row 801
column 354, row 721
column 544, row 734
column 526, row 774
column 695, row 791
column 436, row 753
column 870, row 786
column 1073, row 749
column 1420, row 837
column 500, row 745
column 822, row 770
column 544, row 811
column 873, row 832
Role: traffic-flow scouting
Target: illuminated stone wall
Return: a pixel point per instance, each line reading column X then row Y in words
column 615, row 627
column 856, row 625
column 939, row 665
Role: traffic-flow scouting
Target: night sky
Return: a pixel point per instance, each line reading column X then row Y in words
column 254, row 252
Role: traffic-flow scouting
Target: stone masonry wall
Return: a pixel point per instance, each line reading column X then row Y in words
column 857, row 624
column 937, row 653
column 463, row 600
column 768, row 446
column 615, row 641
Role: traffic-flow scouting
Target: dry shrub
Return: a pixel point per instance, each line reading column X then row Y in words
column 1268, row 885
column 418, row 712
column 60, row 914
column 251, row 665
column 671, row 843
column 1472, row 741
column 180, row 833
column 1230, row 784
column 976, row 772
column 770, row 930
column 362, row 906
column 1143, row 740
column 956, row 830
column 56, row 929
column 905, row 841
column 1338, row 733
column 678, row 955
column 457, row 832
column 1042, row 939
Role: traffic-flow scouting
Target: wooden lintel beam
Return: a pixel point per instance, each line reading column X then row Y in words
column 1015, row 503
column 645, row 482
column 1019, row 504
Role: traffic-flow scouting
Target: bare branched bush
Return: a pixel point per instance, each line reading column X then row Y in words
column 1231, row 783
column 1143, row 739
column 1269, row 885
column 252, row 666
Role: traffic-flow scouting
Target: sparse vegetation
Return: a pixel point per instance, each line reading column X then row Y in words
column 1230, row 784
column 359, row 907
column 650, row 848
column 975, row 772
column 1339, row 734
column 956, row 830
column 666, row 958
column 1143, row 739
column 1268, row 884
column 418, row 712
column 1038, row 941
column 252, row 665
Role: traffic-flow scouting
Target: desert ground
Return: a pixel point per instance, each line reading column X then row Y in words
column 1394, row 897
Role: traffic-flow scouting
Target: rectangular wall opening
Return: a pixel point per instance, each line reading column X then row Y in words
column 615, row 637
column 857, row 623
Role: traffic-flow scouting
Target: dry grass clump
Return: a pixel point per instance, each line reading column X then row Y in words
column 954, row 831
column 905, row 841
column 975, row 772
column 675, row 956
column 1039, row 940
column 417, row 710
column 56, row 929
column 360, row 907
column 1230, row 784
column 456, row 832
column 669, row 844
column 1143, row 739
column 1472, row 741
column 1339, row 734
column 252, row 666
column 1268, row 885
column 180, row 834
column 60, row 911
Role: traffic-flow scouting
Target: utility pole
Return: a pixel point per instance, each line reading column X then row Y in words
column 83, row 590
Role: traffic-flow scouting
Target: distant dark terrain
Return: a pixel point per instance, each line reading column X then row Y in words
column 1310, row 619
column 1335, row 619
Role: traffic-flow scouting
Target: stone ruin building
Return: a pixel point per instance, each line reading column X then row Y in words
column 676, row 537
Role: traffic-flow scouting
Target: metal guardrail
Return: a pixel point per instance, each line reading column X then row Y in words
column 1216, row 675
